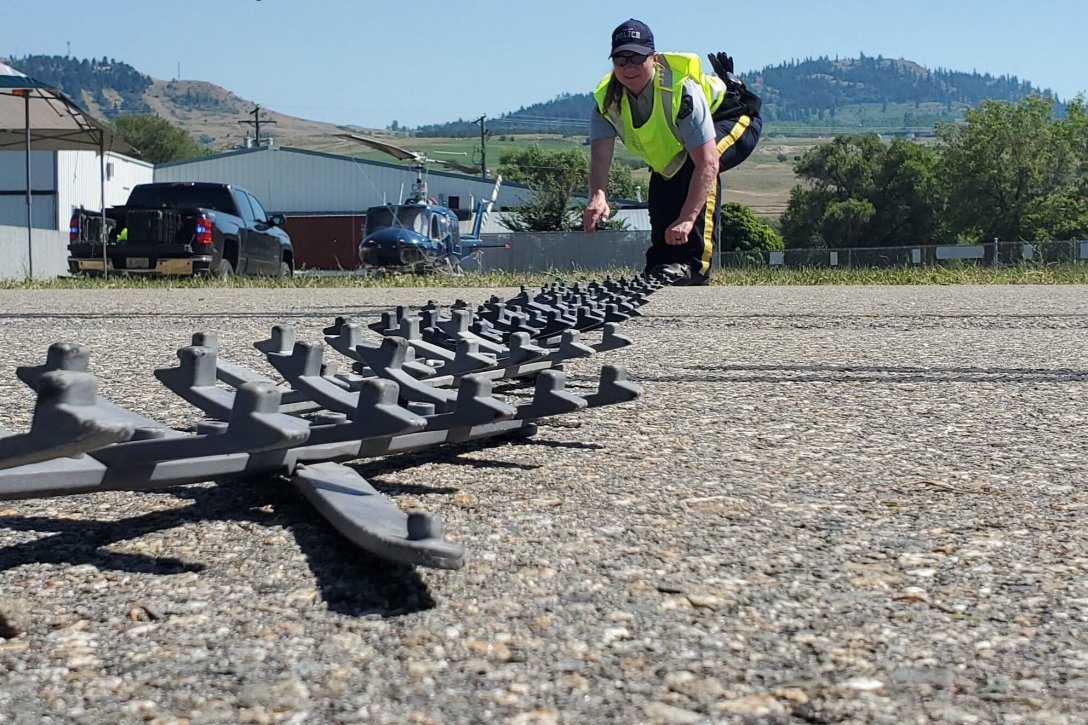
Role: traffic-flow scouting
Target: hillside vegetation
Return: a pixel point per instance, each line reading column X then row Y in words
column 811, row 96
column 107, row 88
column 805, row 101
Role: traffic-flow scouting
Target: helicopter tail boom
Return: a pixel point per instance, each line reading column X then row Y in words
column 483, row 208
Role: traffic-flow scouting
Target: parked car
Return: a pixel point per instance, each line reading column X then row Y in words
column 182, row 228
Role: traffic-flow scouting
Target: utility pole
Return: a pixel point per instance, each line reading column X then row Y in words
column 483, row 146
column 256, row 123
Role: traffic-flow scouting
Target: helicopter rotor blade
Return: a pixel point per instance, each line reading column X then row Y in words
column 464, row 168
column 394, row 151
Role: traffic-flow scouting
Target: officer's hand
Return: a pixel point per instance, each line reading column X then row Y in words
column 678, row 233
column 721, row 63
column 597, row 210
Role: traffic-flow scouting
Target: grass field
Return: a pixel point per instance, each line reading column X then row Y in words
column 739, row 276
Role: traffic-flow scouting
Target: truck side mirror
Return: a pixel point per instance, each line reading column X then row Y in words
column 277, row 220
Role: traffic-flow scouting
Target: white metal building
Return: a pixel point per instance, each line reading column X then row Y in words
column 293, row 181
column 62, row 181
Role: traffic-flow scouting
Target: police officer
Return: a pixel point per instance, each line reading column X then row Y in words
column 688, row 127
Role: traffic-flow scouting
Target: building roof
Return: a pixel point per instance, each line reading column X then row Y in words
column 294, row 180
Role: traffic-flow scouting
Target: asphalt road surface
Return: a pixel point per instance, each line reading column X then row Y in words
column 831, row 504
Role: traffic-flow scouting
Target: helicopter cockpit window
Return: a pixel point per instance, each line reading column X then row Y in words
column 439, row 228
column 414, row 219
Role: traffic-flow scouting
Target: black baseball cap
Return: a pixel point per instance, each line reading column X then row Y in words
column 633, row 36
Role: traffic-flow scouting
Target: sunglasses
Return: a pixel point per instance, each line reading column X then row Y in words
column 633, row 59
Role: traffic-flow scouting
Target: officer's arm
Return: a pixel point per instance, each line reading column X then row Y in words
column 600, row 161
column 703, row 179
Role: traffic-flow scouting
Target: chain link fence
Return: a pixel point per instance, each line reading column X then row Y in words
column 565, row 251
column 612, row 250
column 989, row 253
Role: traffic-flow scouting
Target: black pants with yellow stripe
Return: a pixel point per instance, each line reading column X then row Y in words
column 737, row 138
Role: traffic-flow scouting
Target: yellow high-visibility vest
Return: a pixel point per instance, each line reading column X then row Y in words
column 658, row 141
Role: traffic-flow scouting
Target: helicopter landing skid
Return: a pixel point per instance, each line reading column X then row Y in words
column 379, row 273
column 453, row 267
column 457, row 264
column 370, row 272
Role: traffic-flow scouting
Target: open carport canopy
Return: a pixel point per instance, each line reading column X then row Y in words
column 54, row 121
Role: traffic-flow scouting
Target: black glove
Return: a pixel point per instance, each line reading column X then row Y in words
column 721, row 63
column 738, row 99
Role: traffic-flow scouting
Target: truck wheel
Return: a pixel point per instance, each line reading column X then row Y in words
column 225, row 271
column 285, row 269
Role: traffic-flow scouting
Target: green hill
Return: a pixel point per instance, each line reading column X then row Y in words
column 215, row 117
column 807, row 97
column 876, row 94
column 821, row 94
column 108, row 85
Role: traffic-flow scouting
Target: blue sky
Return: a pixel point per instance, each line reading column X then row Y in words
column 418, row 62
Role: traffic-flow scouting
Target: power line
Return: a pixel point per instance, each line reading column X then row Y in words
column 483, row 146
column 256, row 122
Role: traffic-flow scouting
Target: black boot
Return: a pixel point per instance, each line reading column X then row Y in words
column 673, row 273
column 679, row 274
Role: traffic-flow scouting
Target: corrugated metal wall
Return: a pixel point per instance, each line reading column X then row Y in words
column 636, row 220
column 62, row 181
column 326, row 241
column 566, row 251
column 43, row 202
column 79, row 183
column 49, row 248
column 292, row 180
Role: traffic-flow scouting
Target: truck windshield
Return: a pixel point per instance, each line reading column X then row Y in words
column 408, row 217
column 182, row 197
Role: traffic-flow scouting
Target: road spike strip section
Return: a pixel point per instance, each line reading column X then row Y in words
column 61, row 425
column 373, row 522
column 427, row 381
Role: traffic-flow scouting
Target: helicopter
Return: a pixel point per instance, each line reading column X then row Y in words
column 420, row 235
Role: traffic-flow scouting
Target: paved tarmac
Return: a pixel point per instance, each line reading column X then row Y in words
column 831, row 504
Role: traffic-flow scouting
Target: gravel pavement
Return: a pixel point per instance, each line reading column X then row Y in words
column 832, row 504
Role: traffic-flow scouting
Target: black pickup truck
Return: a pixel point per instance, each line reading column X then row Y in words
column 182, row 228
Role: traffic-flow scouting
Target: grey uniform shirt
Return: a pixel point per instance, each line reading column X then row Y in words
column 695, row 130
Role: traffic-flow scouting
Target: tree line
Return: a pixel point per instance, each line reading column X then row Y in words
column 100, row 78
column 814, row 93
column 1011, row 171
column 818, row 89
column 863, row 92
column 559, row 177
